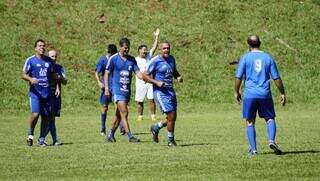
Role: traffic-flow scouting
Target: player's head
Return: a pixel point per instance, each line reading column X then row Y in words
column 165, row 49
column 124, row 46
column 253, row 41
column 111, row 49
column 53, row 55
column 39, row 47
column 142, row 50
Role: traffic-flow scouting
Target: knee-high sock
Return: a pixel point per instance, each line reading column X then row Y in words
column 251, row 134
column 271, row 129
column 103, row 121
column 53, row 131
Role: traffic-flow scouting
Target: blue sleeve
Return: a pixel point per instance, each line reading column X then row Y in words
column 241, row 68
column 99, row 66
column 274, row 70
column 110, row 64
column 27, row 66
column 62, row 73
column 150, row 67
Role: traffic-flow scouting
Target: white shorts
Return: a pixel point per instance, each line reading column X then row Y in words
column 143, row 89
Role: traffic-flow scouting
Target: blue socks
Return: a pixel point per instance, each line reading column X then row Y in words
column 30, row 131
column 271, row 129
column 251, row 134
column 111, row 133
column 103, row 121
column 53, row 131
column 129, row 134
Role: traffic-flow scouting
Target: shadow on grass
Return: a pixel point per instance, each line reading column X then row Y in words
column 295, row 152
column 195, row 144
column 141, row 133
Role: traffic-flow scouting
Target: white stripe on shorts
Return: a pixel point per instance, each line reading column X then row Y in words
column 161, row 103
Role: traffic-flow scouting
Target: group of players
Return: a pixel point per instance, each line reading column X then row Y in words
column 45, row 77
column 114, row 73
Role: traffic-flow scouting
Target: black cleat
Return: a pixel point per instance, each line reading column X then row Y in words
column 134, row 140
column 275, row 148
column 110, row 140
column 172, row 143
column 30, row 140
column 154, row 133
column 122, row 131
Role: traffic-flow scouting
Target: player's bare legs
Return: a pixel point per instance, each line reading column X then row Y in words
column 152, row 107
column 140, row 110
column 32, row 122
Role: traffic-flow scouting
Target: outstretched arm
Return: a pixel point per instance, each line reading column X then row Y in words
column 237, row 94
column 280, row 87
column 155, row 43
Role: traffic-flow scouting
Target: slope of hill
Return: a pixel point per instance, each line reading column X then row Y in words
column 205, row 36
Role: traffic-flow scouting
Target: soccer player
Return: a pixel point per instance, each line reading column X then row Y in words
column 160, row 72
column 255, row 68
column 143, row 88
column 37, row 71
column 99, row 74
column 55, row 95
column 120, row 67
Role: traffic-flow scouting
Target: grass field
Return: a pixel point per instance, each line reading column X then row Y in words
column 212, row 146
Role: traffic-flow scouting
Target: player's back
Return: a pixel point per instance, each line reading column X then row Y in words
column 257, row 66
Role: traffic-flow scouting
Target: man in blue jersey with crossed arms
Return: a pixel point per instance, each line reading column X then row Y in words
column 255, row 68
column 160, row 72
column 38, row 71
column 99, row 75
column 120, row 67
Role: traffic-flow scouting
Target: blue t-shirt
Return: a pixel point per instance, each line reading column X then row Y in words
column 255, row 68
column 121, row 71
column 39, row 68
column 162, row 69
column 57, row 68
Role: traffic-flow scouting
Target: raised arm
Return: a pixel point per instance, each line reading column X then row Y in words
column 155, row 43
column 280, row 87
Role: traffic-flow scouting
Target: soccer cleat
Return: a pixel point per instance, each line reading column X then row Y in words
column 252, row 153
column 57, row 143
column 30, row 140
column 140, row 118
column 275, row 148
column 122, row 131
column 134, row 140
column 172, row 143
column 153, row 117
column 103, row 132
column 43, row 144
column 110, row 140
column 154, row 133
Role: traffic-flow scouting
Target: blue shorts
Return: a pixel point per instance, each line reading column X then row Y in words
column 118, row 97
column 40, row 105
column 55, row 103
column 264, row 107
column 166, row 102
column 104, row 100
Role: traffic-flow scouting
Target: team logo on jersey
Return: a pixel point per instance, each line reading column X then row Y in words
column 129, row 67
column 43, row 72
column 257, row 65
column 46, row 65
column 38, row 65
column 124, row 73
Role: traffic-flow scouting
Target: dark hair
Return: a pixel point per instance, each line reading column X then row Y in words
column 141, row 46
column 38, row 40
column 112, row 49
column 124, row 41
column 254, row 41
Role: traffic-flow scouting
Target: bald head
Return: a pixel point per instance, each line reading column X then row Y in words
column 53, row 55
column 254, row 41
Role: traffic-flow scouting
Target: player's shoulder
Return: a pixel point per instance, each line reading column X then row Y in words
column 31, row 58
column 114, row 56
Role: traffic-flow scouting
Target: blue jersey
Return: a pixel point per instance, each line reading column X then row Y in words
column 101, row 68
column 255, row 68
column 121, row 71
column 162, row 69
column 53, row 83
column 39, row 68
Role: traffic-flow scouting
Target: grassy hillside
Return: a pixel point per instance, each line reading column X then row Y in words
column 205, row 35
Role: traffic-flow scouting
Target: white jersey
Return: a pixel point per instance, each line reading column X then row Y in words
column 142, row 64
column 143, row 88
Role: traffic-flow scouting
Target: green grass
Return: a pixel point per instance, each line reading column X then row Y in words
column 212, row 146
column 205, row 36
